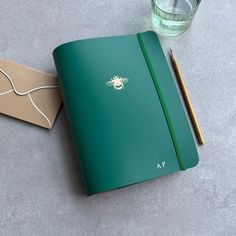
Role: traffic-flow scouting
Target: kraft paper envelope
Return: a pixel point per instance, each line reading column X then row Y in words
column 28, row 94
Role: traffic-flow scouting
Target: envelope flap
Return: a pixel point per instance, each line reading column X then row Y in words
column 23, row 78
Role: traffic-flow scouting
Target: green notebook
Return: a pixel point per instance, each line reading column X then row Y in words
column 124, row 110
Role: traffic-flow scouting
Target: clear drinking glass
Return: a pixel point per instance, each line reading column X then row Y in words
column 173, row 17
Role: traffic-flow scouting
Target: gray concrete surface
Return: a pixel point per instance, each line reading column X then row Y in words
column 40, row 188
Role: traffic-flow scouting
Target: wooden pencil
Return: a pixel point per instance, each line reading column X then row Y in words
column 186, row 98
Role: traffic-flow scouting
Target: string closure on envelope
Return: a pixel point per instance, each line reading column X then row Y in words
column 28, row 93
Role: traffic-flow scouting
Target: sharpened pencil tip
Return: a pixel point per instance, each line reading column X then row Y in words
column 172, row 55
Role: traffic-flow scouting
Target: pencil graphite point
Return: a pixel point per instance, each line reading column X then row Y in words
column 172, row 54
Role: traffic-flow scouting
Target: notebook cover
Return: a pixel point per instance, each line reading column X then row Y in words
column 125, row 113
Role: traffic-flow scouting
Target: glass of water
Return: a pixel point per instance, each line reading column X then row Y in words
column 173, row 17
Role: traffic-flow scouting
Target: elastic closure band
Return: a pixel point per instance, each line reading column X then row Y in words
column 163, row 104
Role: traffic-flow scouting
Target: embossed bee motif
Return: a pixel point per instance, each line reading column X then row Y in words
column 117, row 82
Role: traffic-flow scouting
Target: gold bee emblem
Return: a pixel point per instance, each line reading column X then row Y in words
column 117, row 82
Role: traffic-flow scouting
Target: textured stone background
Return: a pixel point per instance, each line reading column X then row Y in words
column 40, row 188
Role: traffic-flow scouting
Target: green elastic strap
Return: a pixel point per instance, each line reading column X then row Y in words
column 163, row 104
